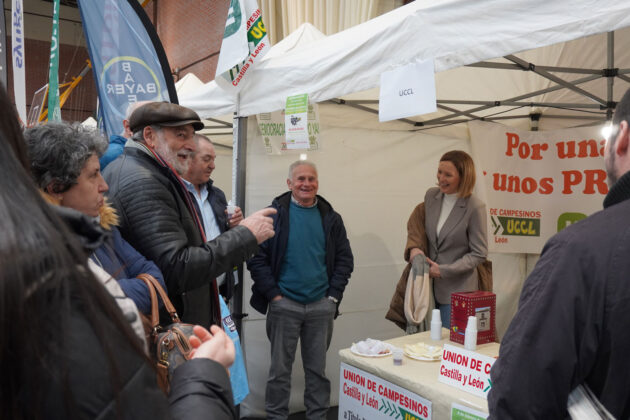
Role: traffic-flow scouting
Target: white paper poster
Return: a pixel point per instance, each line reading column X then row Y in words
column 272, row 129
column 363, row 396
column 536, row 183
column 296, row 122
column 407, row 91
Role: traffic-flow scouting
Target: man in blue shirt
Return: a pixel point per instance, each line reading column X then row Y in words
column 209, row 199
column 299, row 279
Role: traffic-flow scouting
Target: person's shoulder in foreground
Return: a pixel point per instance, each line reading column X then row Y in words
column 574, row 309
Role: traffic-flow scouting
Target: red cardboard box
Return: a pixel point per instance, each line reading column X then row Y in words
column 483, row 305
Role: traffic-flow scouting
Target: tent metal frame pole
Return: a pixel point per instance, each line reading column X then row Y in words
column 624, row 77
column 508, row 66
column 569, row 85
column 357, row 105
column 239, row 165
column 527, row 116
column 523, row 103
column 515, row 98
column 466, row 113
column 610, row 61
column 351, row 102
column 220, row 133
column 221, row 123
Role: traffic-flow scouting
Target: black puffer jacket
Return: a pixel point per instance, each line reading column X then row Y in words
column 200, row 388
column 154, row 219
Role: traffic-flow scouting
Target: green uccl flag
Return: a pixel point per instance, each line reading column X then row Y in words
column 245, row 42
column 54, row 112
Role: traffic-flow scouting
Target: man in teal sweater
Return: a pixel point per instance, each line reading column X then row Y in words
column 299, row 278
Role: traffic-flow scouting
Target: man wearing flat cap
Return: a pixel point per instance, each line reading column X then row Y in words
column 158, row 216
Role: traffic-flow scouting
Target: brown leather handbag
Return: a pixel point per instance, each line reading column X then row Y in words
column 169, row 345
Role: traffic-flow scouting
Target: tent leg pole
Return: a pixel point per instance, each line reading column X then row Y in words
column 610, row 65
column 239, row 164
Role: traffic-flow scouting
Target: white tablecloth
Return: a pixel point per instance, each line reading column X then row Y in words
column 421, row 377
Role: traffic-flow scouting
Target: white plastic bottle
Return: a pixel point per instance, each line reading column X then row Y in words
column 470, row 338
column 436, row 325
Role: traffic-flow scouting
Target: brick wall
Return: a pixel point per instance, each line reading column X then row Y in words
column 82, row 100
column 191, row 32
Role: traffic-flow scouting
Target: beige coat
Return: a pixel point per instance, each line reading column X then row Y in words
column 461, row 246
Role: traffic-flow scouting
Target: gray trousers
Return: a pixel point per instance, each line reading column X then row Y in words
column 312, row 324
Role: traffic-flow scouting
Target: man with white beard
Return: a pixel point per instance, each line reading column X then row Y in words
column 158, row 217
column 571, row 328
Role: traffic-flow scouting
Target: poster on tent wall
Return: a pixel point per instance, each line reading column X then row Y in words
column 272, row 129
column 536, row 183
column 127, row 56
column 295, row 122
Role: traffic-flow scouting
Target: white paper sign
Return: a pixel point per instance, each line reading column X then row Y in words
column 363, row 396
column 296, row 122
column 407, row 91
column 466, row 370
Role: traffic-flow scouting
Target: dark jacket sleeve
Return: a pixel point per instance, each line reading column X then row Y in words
column 219, row 205
column 200, row 389
column 552, row 335
column 136, row 264
column 260, row 266
column 150, row 215
column 343, row 259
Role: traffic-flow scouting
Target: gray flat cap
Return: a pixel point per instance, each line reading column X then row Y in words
column 163, row 114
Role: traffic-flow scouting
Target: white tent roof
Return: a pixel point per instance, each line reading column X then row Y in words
column 188, row 84
column 348, row 65
column 453, row 32
column 305, row 34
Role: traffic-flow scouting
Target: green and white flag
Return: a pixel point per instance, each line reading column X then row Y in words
column 245, row 42
column 54, row 112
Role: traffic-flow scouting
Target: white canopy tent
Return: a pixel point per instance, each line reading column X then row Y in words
column 375, row 173
column 452, row 32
